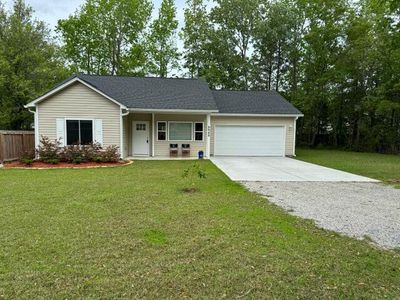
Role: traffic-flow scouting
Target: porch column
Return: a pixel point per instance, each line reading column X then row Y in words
column 153, row 133
column 208, row 136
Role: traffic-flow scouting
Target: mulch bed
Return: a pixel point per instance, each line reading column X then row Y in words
column 62, row 165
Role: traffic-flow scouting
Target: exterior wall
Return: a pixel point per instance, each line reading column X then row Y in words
column 79, row 101
column 161, row 148
column 288, row 122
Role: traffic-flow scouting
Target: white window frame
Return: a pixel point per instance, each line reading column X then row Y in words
column 191, row 131
column 166, row 131
column 194, row 132
column 77, row 119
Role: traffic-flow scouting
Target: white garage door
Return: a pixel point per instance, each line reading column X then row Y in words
column 249, row 140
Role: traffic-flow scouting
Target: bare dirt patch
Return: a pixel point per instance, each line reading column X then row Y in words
column 190, row 190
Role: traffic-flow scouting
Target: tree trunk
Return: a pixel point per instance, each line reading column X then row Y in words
column 278, row 68
column 269, row 75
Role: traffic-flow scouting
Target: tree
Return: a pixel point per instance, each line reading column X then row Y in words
column 107, row 37
column 276, row 45
column 29, row 64
column 323, row 46
column 234, row 26
column 195, row 35
column 162, row 41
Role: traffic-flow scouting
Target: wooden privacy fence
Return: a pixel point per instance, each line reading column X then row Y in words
column 14, row 143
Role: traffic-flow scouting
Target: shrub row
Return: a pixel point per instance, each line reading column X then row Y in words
column 51, row 152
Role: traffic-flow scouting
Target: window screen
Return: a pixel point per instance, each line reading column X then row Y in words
column 180, row 131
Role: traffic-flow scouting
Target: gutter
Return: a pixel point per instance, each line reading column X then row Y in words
column 256, row 115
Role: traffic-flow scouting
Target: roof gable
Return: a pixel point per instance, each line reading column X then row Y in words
column 66, row 83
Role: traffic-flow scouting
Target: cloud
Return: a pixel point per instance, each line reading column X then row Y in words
column 51, row 11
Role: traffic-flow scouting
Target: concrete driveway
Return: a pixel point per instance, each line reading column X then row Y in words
column 280, row 169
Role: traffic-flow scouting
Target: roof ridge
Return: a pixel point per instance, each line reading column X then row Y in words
column 246, row 91
column 139, row 77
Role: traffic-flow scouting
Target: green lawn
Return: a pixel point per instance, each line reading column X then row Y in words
column 130, row 232
column 379, row 166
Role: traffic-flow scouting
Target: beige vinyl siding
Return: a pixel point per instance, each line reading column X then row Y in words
column 288, row 122
column 79, row 101
column 161, row 148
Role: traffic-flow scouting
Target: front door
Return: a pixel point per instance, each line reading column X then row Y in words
column 140, row 138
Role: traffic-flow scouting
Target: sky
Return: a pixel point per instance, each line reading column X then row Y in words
column 50, row 11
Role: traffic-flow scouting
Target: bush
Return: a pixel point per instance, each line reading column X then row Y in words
column 48, row 150
column 72, row 154
column 110, row 154
column 53, row 161
column 26, row 161
column 27, row 157
column 91, row 152
column 52, row 152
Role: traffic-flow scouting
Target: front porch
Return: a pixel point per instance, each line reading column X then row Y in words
column 160, row 158
column 149, row 135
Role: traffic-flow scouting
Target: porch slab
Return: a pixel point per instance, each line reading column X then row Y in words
column 160, row 158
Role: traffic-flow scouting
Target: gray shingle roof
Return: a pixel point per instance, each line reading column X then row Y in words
column 185, row 94
column 155, row 93
column 253, row 102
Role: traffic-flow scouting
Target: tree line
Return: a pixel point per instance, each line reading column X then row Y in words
column 338, row 61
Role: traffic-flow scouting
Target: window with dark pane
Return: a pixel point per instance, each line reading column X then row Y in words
column 140, row 127
column 199, row 126
column 79, row 132
column 162, row 131
column 86, row 130
column 162, row 136
column 162, row 126
column 198, row 131
column 198, row 136
column 72, row 132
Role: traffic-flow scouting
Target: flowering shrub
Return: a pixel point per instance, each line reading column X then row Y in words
column 52, row 152
column 49, row 150
column 110, row 154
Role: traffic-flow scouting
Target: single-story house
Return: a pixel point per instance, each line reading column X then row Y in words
column 144, row 116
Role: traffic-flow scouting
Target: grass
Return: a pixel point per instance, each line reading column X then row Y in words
column 130, row 232
column 379, row 166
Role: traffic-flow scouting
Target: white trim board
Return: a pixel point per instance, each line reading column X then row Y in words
column 172, row 111
column 256, row 115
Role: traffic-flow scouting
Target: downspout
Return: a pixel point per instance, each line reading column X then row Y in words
column 294, row 136
column 121, row 132
column 36, row 122
column 153, row 134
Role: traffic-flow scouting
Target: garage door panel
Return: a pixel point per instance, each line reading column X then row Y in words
column 249, row 140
